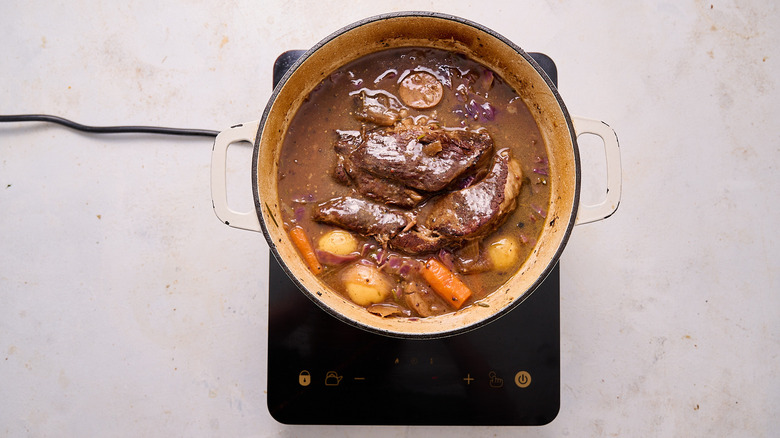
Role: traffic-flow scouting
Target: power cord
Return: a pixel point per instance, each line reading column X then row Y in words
column 107, row 129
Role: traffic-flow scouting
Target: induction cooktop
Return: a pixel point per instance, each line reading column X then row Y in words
column 323, row 371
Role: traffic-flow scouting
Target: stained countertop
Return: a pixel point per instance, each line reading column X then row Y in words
column 128, row 309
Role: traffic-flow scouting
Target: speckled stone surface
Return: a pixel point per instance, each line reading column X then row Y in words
column 128, row 309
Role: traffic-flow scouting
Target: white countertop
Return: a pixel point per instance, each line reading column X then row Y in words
column 128, row 309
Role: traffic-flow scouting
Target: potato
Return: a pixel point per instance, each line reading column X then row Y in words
column 504, row 252
column 338, row 242
column 365, row 285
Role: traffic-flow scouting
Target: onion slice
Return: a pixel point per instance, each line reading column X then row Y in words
column 328, row 258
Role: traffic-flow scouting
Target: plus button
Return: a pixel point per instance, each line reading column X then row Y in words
column 468, row 379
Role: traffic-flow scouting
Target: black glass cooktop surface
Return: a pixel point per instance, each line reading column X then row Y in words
column 323, row 371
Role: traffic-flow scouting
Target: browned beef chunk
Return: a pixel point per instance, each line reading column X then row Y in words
column 420, row 157
column 347, row 141
column 379, row 107
column 477, row 211
column 467, row 214
column 361, row 216
column 453, row 220
column 369, row 185
column 378, row 189
column 419, row 240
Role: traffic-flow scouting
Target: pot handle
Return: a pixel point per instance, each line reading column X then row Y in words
column 604, row 209
column 236, row 133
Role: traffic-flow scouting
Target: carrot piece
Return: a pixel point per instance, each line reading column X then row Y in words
column 445, row 283
column 301, row 241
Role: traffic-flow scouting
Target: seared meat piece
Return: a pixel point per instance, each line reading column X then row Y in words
column 362, row 217
column 372, row 187
column 379, row 107
column 347, row 141
column 420, row 157
column 478, row 210
column 398, row 165
column 378, row 189
column 467, row 214
column 419, row 240
column 452, row 221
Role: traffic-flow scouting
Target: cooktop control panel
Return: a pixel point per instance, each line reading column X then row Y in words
column 323, row 371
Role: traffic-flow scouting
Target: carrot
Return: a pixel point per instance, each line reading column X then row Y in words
column 301, row 241
column 445, row 283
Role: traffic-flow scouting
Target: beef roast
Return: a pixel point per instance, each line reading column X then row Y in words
column 478, row 210
column 379, row 107
column 419, row 240
column 453, row 220
column 423, row 157
column 362, row 216
column 406, row 164
column 378, row 189
column 467, row 214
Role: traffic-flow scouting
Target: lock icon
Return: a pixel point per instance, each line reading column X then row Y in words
column 304, row 378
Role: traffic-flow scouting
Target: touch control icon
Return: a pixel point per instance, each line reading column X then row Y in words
column 522, row 379
column 495, row 381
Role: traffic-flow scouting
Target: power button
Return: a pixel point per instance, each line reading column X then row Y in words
column 522, row 379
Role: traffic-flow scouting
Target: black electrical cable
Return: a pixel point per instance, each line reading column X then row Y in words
column 107, row 129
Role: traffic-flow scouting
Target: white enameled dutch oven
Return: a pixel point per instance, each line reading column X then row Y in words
column 516, row 67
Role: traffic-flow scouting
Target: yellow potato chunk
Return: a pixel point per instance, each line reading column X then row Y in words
column 365, row 285
column 503, row 253
column 338, row 242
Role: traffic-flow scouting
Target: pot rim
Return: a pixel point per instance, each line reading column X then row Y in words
column 259, row 204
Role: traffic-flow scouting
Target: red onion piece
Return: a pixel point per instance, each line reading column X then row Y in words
column 488, row 112
column 523, row 238
column 366, row 249
column 328, row 258
column 446, row 259
column 299, row 214
column 485, row 82
column 538, row 210
column 380, row 256
column 394, row 262
column 400, row 265
column 472, row 109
